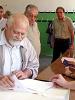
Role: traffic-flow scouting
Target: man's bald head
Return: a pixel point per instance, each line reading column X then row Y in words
column 16, row 28
column 18, row 18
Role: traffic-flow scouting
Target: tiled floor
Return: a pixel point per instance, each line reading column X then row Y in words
column 44, row 62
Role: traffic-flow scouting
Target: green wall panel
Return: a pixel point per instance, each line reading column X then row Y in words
column 45, row 48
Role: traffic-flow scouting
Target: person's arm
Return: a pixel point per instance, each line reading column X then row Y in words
column 59, row 80
column 71, row 85
column 71, row 30
column 72, row 40
column 22, row 74
column 30, row 63
column 33, row 64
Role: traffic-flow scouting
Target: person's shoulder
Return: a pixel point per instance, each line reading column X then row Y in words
column 55, row 20
column 26, row 43
column 35, row 23
column 68, row 18
column 4, row 19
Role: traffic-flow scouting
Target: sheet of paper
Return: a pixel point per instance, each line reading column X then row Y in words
column 30, row 85
column 40, row 88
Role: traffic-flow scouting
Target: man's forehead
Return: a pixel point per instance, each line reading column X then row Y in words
column 35, row 11
column 60, row 10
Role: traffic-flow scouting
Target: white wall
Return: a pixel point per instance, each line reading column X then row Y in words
column 43, row 5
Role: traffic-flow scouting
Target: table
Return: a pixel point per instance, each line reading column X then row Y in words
column 10, row 95
column 55, row 68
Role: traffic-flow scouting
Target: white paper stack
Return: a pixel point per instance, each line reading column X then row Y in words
column 30, row 89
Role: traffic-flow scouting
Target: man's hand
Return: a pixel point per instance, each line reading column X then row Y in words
column 20, row 74
column 6, row 82
column 23, row 74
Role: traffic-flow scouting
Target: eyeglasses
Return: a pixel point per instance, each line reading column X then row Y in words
column 32, row 16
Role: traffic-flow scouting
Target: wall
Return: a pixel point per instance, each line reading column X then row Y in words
column 43, row 5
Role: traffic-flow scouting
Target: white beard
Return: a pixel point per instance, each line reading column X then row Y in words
column 14, row 42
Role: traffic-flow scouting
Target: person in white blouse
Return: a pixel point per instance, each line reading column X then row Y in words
column 2, row 20
column 17, row 55
column 33, row 34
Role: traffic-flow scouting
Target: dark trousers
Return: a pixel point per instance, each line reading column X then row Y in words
column 60, row 46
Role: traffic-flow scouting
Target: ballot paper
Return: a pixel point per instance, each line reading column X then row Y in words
column 31, row 85
column 29, row 89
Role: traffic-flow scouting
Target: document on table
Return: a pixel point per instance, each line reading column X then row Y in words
column 31, row 85
column 39, row 90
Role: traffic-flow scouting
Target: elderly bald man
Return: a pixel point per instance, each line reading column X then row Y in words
column 17, row 55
